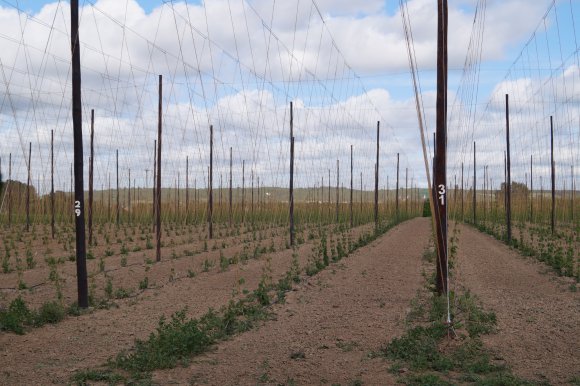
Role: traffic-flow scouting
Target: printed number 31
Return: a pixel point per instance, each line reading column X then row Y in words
column 442, row 192
column 77, row 208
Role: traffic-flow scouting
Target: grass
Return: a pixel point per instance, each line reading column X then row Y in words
column 18, row 317
column 436, row 355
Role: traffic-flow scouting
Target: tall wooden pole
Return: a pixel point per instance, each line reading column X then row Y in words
column 397, row 191
column 28, row 188
column 91, row 173
column 351, row 215
column 187, row 189
column 52, row 184
column 82, row 283
column 291, row 189
column 508, row 188
column 230, row 193
column 153, row 218
column 8, row 187
column 118, row 195
column 462, row 187
column 531, row 188
column 210, row 190
column 553, row 169
column 474, row 186
column 243, row 189
column 158, row 174
column 377, row 179
column 406, row 191
column 573, row 198
column 337, row 187
column 440, row 177
column 129, row 199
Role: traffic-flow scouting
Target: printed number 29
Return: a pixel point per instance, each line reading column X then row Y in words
column 441, row 193
column 77, row 208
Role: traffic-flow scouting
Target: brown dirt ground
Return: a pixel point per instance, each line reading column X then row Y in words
column 538, row 316
column 332, row 323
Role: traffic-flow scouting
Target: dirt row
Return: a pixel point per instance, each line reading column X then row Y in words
column 330, row 324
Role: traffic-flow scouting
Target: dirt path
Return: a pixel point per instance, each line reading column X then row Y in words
column 328, row 326
column 538, row 317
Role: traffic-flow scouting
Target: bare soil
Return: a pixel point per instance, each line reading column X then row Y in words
column 329, row 327
column 538, row 315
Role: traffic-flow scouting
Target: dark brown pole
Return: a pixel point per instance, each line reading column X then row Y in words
column 109, row 201
column 118, row 195
column 187, row 189
column 462, row 187
column 508, row 188
column 82, row 283
column 474, row 186
column 573, row 198
column 406, row 191
column 28, row 188
column 553, row 168
column 351, row 182
column 91, row 173
column 154, row 184
column 337, row 187
column 397, row 190
column 52, row 183
column 230, row 192
column 291, row 189
column 158, row 174
column 243, row 189
column 440, row 177
column 8, row 187
column 210, row 192
column 531, row 188
column 252, row 194
column 377, row 179
column 129, row 199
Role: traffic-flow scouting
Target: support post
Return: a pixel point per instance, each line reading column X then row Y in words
column 82, row 282
column 553, row 170
column 210, row 191
column 337, row 187
column 291, row 189
column 397, row 191
column 91, row 173
column 158, row 174
column 351, row 215
column 440, row 177
column 230, row 192
column 52, row 184
column 508, row 187
column 28, row 188
column 377, row 179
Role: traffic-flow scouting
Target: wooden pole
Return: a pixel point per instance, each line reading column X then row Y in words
column 440, row 177
column 8, row 187
column 118, row 195
column 573, row 198
column 158, row 173
column 351, row 215
column 508, row 188
column 462, row 187
column 474, row 186
column 553, row 169
column 291, row 189
column 337, row 187
column 187, row 189
column 210, row 192
column 154, row 209
column 91, row 173
column 243, row 189
column 406, row 191
column 28, row 188
column 531, row 188
column 377, row 179
column 82, row 282
column 52, row 184
column 397, row 190
column 129, row 199
column 230, row 192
